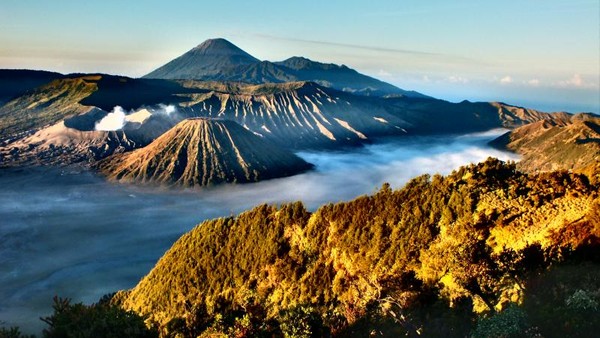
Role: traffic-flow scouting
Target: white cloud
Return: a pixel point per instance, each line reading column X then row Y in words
column 383, row 73
column 575, row 81
column 533, row 82
column 506, row 80
column 457, row 79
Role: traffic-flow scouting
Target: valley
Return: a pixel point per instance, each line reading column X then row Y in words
column 73, row 234
column 224, row 195
column 323, row 106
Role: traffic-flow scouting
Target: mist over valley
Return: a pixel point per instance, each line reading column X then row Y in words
column 71, row 233
column 314, row 183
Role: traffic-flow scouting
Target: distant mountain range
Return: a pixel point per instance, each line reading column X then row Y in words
column 55, row 123
column 16, row 82
column 220, row 60
column 51, row 118
column 566, row 142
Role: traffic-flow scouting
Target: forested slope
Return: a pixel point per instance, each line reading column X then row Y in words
column 466, row 243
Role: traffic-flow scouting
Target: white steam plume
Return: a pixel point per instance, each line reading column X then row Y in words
column 115, row 120
column 166, row 109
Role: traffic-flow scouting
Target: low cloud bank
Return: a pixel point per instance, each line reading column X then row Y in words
column 105, row 237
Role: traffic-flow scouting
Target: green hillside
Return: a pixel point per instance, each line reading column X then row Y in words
column 452, row 249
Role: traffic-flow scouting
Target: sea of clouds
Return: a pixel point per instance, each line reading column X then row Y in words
column 72, row 234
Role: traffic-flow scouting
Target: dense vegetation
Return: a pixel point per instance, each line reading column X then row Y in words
column 487, row 251
column 443, row 256
column 102, row 319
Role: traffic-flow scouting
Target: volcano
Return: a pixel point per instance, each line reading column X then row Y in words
column 220, row 60
column 201, row 152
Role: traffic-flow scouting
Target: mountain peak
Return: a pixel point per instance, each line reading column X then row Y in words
column 222, row 46
column 300, row 62
column 216, row 41
column 212, row 57
column 220, row 60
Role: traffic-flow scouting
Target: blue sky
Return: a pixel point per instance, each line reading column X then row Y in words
column 541, row 54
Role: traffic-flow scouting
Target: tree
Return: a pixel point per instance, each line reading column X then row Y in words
column 97, row 320
column 512, row 322
column 301, row 322
column 13, row 332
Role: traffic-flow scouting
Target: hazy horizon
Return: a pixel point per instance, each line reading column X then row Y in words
column 543, row 55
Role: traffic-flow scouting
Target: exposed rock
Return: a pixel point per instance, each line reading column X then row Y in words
column 561, row 143
column 200, row 152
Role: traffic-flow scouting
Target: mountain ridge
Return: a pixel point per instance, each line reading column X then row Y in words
column 208, row 58
column 293, row 115
column 566, row 142
column 17, row 82
column 201, row 152
column 469, row 239
column 219, row 59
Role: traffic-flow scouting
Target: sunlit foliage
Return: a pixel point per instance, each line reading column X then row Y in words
column 439, row 250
